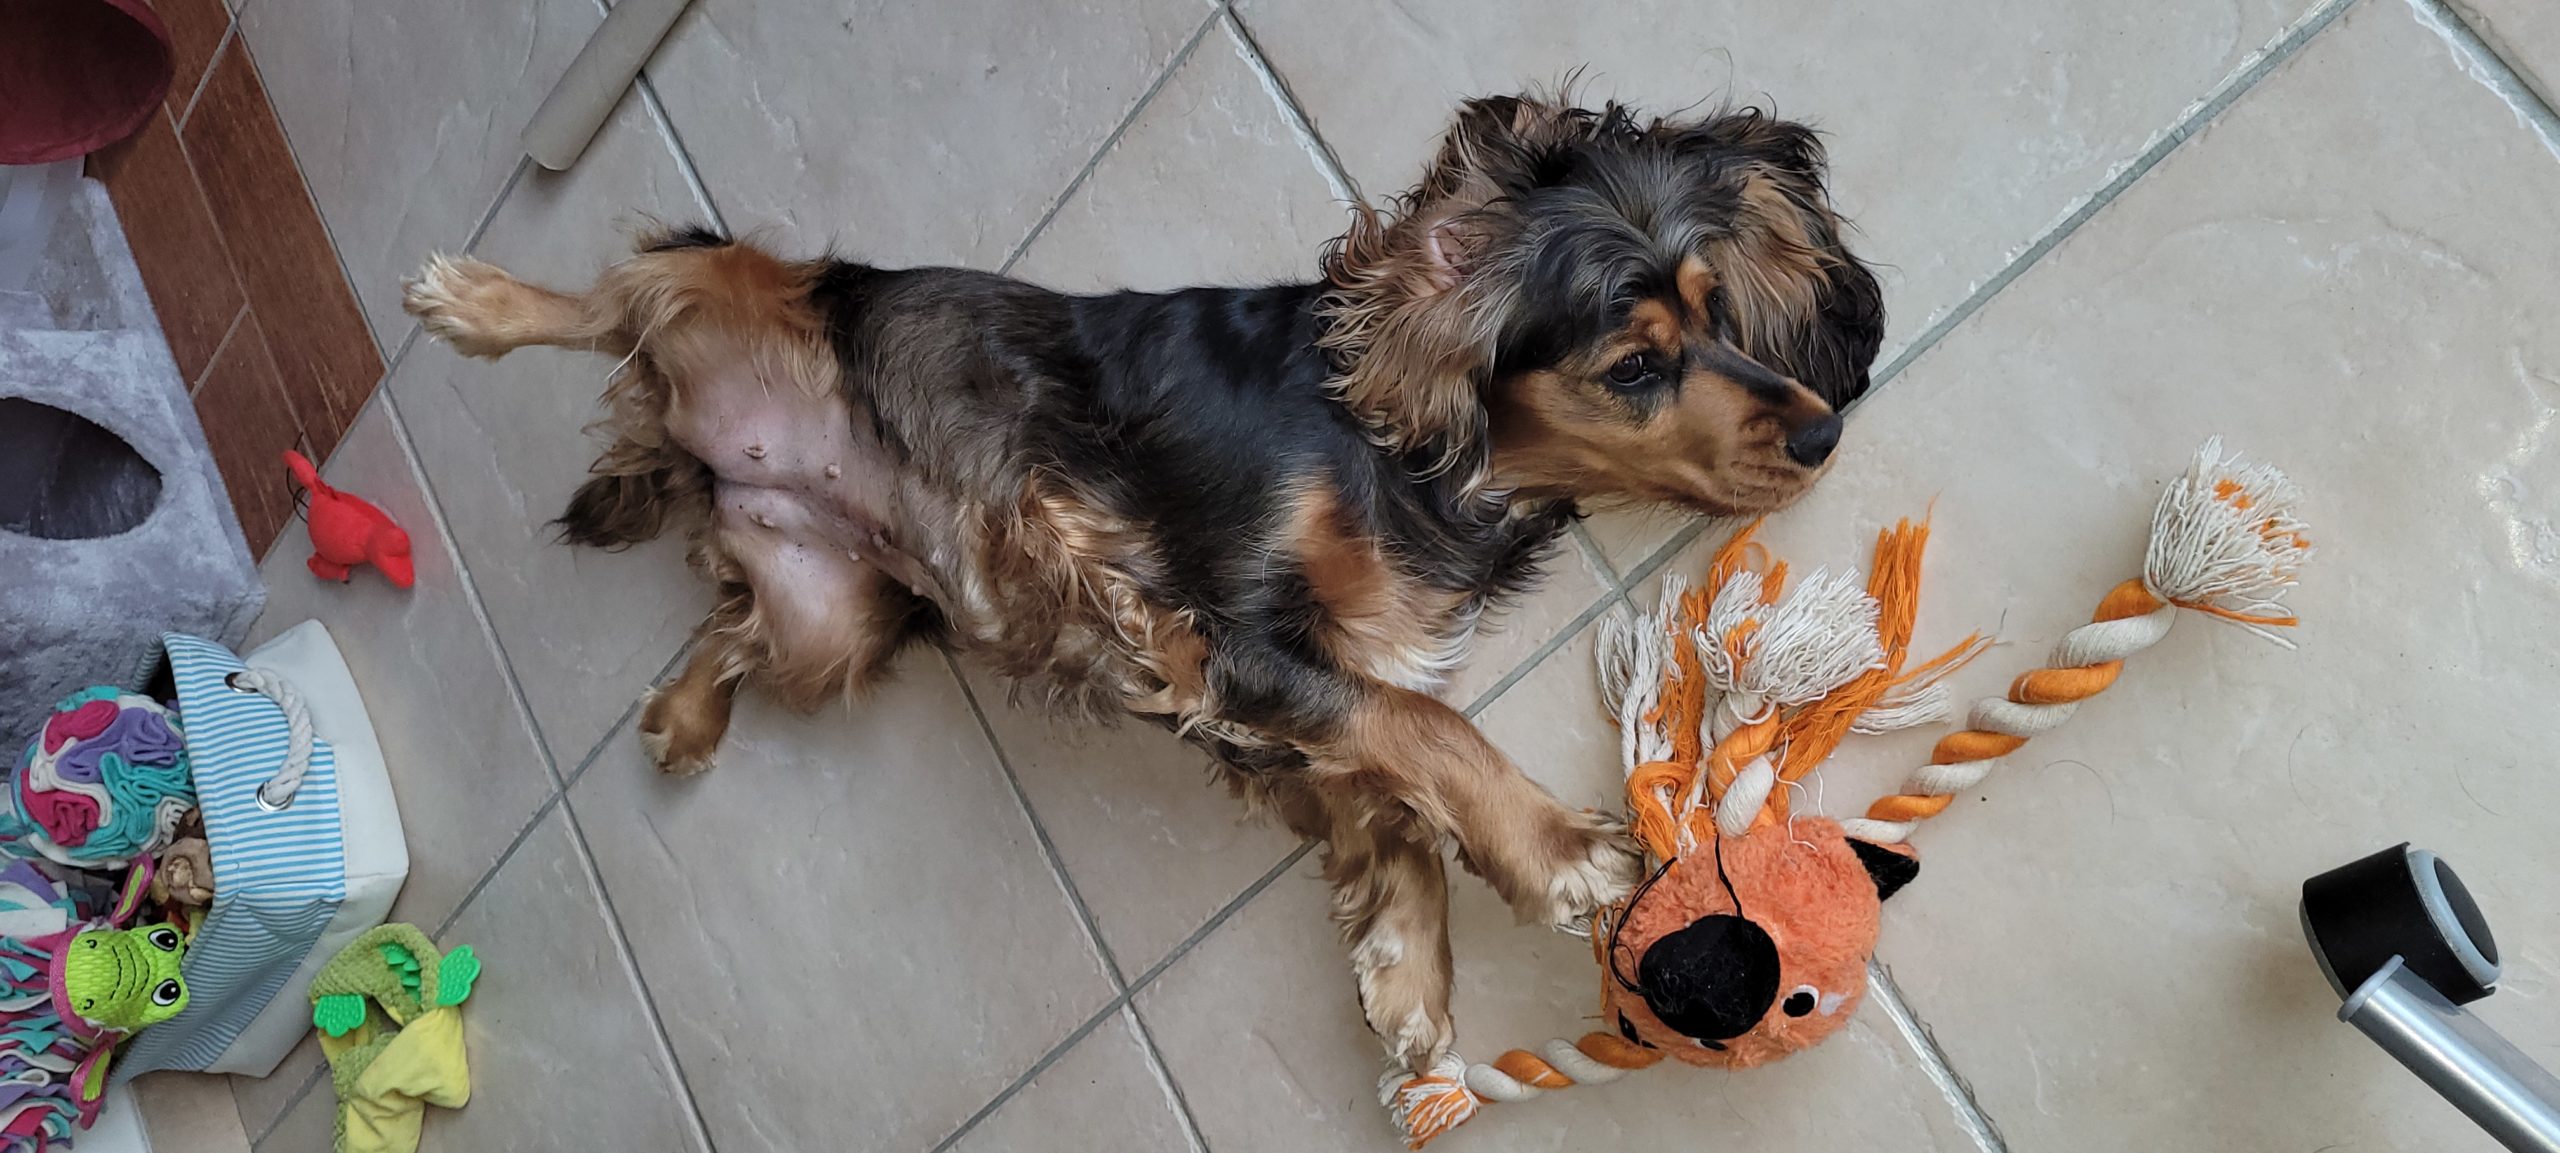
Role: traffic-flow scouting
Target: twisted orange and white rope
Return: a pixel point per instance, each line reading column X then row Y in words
column 1427, row 1105
column 2224, row 542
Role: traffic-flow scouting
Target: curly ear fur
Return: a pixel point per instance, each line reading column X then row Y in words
column 1805, row 305
column 1411, row 322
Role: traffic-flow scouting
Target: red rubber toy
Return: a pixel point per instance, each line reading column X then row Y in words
column 347, row 531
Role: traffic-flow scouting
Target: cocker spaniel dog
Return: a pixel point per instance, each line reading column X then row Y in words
column 1268, row 518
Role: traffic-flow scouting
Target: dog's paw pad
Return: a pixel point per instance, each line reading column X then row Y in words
column 454, row 299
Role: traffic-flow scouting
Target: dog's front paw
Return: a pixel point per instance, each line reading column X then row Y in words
column 459, row 301
column 1598, row 867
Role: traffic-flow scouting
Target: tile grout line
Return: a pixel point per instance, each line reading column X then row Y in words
column 522, row 834
column 630, row 959
column 1327, row 162
column 310, row 1081
column 1039, row 831
column 1563, row 636
column 470, row 586
column 1075, row 898
column 594, row 753
column 1165, row 1080
column 630, row 712
column 667, row 135
column 1592, row 556
column 219, row 347
column 337, row 251
column 1129, row 998
column 2483, row 64
column 1059, row 203
column 1933, row 1059
column 230, row 28
column 480, row 227
column 674, row 140
column 2196, row 118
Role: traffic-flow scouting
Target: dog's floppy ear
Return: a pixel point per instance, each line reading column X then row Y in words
column 1410, row 318
column 1805, row 306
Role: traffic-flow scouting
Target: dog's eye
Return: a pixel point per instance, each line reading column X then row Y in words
column 1634, row 370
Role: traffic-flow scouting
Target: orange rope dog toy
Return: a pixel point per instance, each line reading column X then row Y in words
column 2224, row 542
column 1749, row 940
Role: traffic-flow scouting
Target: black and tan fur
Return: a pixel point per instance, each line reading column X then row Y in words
column 1268, row 518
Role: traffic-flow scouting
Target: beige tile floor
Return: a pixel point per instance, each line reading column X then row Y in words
column 2329, row 230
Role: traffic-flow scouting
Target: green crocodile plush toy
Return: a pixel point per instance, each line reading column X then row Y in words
column 120, row 980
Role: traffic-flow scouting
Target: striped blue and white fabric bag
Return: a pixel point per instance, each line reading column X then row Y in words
column 307, row 851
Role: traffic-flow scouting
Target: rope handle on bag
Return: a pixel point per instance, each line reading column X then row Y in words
column 279, row 790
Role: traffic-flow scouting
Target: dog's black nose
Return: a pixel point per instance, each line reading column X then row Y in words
column 1812, row 444
column 1712, row 980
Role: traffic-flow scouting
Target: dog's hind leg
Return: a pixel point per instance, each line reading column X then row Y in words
column 481, row 310
column 1391, row 901
column 808, row 628
column 682, row 721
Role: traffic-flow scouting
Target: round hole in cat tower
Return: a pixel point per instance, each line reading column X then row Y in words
column 63, row 477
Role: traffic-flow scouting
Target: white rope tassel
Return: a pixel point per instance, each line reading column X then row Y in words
column 1818, row 635
column 2225, row 536
column 1634, row 655
column 1926, row 705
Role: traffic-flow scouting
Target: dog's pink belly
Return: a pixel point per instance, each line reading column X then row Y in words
column 800, row 499
column 819, row 536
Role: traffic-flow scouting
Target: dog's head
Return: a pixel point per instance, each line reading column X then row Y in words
column 1617, row 310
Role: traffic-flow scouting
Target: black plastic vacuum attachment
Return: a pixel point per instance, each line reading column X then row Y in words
column 2405, row 903
column 2405, row 946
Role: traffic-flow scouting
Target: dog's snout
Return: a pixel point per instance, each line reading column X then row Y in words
column 1811, row 444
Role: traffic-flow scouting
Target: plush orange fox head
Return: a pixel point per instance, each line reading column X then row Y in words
column 1752, row 947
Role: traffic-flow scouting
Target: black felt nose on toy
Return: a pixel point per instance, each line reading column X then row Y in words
column 1713, row 980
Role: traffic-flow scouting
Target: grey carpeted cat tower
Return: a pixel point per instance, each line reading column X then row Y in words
column 114, row 525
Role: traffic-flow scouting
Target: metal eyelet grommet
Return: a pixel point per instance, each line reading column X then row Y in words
column 267, row 806
column 231, row 681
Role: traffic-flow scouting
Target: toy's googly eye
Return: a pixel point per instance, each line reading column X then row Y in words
column 167, row 992
column 1801, row 1001
column 164, row 939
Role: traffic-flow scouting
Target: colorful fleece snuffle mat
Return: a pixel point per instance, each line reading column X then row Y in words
column 388, row 1008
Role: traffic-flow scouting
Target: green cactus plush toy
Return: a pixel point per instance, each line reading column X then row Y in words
column 388, row 1007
